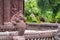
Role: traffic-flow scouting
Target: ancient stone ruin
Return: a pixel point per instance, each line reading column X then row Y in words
column 13, row 29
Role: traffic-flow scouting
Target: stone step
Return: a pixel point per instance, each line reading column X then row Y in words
column 18, row 38
column 12, row 38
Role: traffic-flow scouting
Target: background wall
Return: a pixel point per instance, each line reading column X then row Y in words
column 8, row 8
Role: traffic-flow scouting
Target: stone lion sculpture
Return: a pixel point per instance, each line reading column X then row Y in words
column 18, row 22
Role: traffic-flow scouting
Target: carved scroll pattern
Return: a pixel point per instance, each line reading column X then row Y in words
column 14, row 7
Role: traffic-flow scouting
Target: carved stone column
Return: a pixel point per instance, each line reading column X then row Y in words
column 1, row 11
column 21, row 5
column 14, row 7
column 6, row 10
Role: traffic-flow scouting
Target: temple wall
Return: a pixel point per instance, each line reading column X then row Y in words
column 8, row 8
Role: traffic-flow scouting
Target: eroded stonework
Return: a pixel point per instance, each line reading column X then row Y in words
column 19, row 22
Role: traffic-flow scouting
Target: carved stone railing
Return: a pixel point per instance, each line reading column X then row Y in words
column 28, row 35
column 33, row 26
column 43, row 31
column 42, row 26
column 39, row 35
column 38, row 32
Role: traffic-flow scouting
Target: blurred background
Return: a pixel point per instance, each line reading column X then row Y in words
column 37, row 11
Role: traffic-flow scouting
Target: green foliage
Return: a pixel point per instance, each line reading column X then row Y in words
column 57, row 17
column 48, row 9
column 31, row 8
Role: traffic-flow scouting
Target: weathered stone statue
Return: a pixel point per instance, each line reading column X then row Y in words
column 19, row 22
